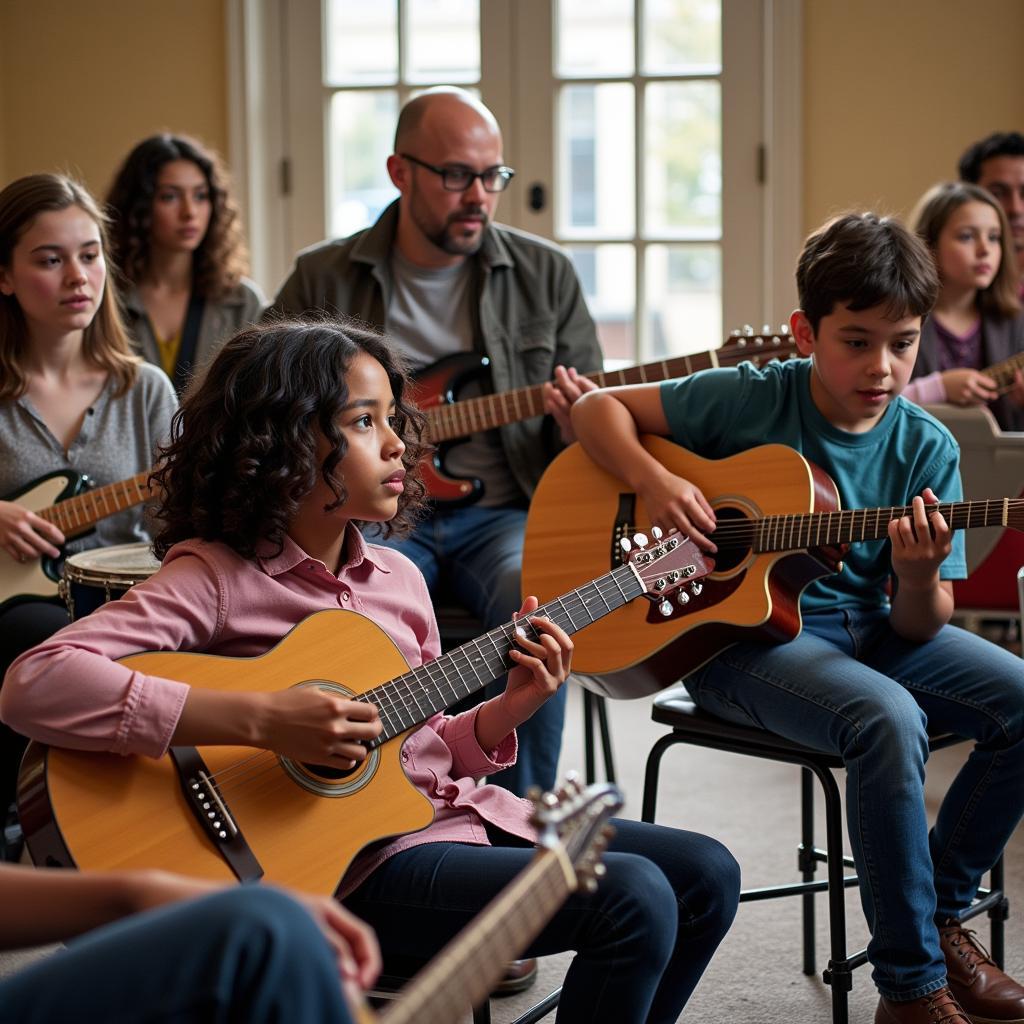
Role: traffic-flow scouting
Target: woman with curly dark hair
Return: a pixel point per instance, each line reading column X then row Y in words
column 177, row 239
column 297, row 435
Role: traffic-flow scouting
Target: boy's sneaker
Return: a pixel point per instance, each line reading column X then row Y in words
column 987, row 994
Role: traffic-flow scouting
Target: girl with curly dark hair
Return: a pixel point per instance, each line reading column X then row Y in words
column 297, row 435
column 177, row 239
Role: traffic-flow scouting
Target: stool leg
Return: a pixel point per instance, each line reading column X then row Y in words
column 808, row 866
column 999, row 913
column 590, row 771
column 482, row 1014
column 606, row 737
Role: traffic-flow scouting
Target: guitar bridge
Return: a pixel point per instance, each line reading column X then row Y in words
column 210, row 809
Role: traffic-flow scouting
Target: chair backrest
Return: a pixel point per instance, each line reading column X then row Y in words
column 991, row 466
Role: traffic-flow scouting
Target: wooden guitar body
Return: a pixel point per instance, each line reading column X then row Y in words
column 105, row 811
column 636, row 651
column 37, row 577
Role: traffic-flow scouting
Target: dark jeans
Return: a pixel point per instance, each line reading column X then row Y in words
column 21, row 626
column 642, row 940
column 850, row 685
column 247, row 956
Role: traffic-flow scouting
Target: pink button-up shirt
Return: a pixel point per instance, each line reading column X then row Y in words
column 67, row 692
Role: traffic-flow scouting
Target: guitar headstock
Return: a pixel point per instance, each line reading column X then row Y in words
column 672, row 563
column 577, row 820
column 758, row 346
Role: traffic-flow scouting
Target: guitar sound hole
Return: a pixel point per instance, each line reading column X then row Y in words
column 330, row 774
column 730, row 554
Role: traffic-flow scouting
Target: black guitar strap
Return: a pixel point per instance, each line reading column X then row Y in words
column 189, row 340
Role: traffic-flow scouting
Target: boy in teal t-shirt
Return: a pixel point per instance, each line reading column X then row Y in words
column 869, row 673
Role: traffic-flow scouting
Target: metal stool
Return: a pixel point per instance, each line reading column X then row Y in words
column 695, row 727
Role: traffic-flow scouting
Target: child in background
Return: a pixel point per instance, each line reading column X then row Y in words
column 977, row 319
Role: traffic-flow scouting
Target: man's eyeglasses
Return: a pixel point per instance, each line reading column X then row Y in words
column 458, row 179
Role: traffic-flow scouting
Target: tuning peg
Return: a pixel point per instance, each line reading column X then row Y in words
column 748, row 331
column 657, row 533
column 696, row 588
column 640, row 540
column 626, row 544
column 783, row 328
column 665, row 607
column 683, row 597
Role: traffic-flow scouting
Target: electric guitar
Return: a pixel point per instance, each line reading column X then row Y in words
column 59, row 498
column 449, row 419
column 778, row 516
column 224, row 811
column 573, row 832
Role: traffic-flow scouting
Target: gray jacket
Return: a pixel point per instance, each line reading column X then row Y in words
column 221, row 318
column 530, row 317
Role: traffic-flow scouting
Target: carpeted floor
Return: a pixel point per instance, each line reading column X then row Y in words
column 753, row 807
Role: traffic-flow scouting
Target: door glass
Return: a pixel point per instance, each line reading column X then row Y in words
column 607, row 274
column 361, row 42
column 594, row 38
column 684, row 305
column 443, row 41
column 682, row 37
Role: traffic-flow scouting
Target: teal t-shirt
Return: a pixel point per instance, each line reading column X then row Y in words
column 718, row 413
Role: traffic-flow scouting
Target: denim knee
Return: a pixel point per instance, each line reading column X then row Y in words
column 893, row 729
column 641, row 906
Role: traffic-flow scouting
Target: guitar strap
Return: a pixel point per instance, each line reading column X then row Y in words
column 213, row 814
column 189, row 341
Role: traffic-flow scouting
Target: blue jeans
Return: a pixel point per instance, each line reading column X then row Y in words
column 248, row 955
column 476, row 554
column 642, row 940
column 850, row 685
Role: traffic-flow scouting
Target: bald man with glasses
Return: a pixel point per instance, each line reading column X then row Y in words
column 441, row 278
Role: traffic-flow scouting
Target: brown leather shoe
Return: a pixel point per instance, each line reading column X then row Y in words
column 519, row 976
column 987, row 994
column 936, row 1007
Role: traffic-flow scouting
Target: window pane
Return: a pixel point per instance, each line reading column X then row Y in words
column 682, row 37
column 443, row 41
column 595, row 38
column 608, row 276
column 362, row 42
column 684, row 300
column 683, row 161
column 595, row 161
column 362, row 126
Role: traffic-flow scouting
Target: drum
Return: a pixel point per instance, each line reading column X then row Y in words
column 92, row 578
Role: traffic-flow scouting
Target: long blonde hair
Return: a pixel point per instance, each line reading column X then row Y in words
column 104, row 342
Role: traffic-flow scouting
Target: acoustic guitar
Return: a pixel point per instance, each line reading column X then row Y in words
column 573, row 833
column 223, row 811
column 778, row 515
column 60, row 498
column 436, row 391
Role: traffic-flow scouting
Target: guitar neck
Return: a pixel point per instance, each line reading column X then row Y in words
column 1005, row 372
column 823, row 529
column 412, row 698
column 78, row 514
column 467, row 969
column 486, row 412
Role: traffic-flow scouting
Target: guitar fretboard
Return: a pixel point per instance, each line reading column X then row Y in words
column 1004, row 373
column 821, row 529
column 472, row 415
column 412, row 698
column 505, row 928
column 76, row 515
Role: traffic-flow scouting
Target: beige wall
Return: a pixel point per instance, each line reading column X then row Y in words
column 81, row 83
column 894, row 91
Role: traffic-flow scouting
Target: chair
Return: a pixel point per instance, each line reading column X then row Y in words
column 691, row 725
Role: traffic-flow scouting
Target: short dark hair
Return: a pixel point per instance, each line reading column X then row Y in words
column 243, row 449
column 996, row 144
column 861, row 260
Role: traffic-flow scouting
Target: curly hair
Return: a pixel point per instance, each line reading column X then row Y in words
column 928, row 219
column 221, row 260
column 105, row 343
column 243, row 449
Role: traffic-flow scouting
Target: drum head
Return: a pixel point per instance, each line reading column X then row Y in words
column 120, row 566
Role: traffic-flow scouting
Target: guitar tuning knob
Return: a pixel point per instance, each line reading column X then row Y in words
column 640, row 539
column 766, row 328
column 657, row 533
column 783, row 328
column 696, row 588
column 748, row 331
column 626, row 544
column 665, row 607
column 683, row 598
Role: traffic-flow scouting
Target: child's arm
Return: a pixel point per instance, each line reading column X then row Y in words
column 608, row 424
column 540, row 670
column 923, row 603
column 968, row 387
